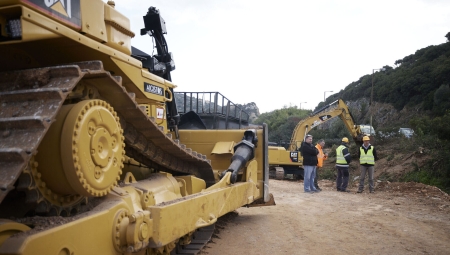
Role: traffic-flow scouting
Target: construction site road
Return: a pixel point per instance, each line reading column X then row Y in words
column 399, row 218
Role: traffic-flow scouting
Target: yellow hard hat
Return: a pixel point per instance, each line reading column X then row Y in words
column 345, row 140
column 366, row 138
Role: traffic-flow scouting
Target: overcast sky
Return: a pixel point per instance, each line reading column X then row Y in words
column 286, row 52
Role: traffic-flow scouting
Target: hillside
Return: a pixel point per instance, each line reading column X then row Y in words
column 419, row 80
column 414, row 94
column 417, row 84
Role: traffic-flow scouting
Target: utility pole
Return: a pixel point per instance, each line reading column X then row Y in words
column 324, row 95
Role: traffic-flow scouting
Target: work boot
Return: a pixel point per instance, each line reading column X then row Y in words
column 359, row 191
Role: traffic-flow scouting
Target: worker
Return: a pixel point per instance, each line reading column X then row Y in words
column 342, row 162
column 367, row 156
column 320, row 158
column 309, row 153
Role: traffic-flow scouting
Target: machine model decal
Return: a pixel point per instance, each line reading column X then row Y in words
column 150, row 88
column 294, row 156
column 316, row 123
column 321, row 119
column 65, row 10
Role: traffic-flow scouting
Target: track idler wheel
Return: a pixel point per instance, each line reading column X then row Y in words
column 83, row 151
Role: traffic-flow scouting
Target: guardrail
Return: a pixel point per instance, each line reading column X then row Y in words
column 211, row 104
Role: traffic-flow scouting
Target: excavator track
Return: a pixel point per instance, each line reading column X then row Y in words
column 279, row 173
column 30, row 101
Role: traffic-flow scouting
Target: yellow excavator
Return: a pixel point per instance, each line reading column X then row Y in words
column 284, row 161
column 93, row 156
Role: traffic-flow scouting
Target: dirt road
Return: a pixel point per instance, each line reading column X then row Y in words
column 398, row 219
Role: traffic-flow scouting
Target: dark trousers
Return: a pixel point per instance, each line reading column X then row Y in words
column 342, row 178
column 317, row 177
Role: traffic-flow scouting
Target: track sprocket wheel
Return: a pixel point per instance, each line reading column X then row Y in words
column 92, row 148
column 82, row 154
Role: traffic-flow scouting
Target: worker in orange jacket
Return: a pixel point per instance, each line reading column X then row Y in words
column 320, row 158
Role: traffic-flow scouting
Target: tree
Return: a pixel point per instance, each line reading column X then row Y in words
column 442, row 100
column 281, row 123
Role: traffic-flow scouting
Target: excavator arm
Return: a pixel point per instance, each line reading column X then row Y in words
column 335, row 109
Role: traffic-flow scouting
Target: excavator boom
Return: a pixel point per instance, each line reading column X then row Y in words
column 336, row 109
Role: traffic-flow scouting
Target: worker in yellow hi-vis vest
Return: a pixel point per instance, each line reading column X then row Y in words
column 367, row 156
column 343, row 159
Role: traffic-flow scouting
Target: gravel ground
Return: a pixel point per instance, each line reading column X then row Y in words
column 399, row 218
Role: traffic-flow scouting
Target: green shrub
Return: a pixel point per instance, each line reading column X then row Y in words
column 385, row 176
column 327, row 174
column 435, row 172
column 332, row 152
column 390, row 157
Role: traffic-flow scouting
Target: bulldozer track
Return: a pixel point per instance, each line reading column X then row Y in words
column 30, row 101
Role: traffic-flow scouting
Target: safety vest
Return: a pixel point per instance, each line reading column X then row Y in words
column 340, row 156
column 366, row 158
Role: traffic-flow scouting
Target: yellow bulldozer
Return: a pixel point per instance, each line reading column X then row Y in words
column 284, row 161
column 95, row 155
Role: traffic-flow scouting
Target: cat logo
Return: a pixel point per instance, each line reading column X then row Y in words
column 59, row 6
column 325, row 117
column 65, row 10
column 294, row 156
